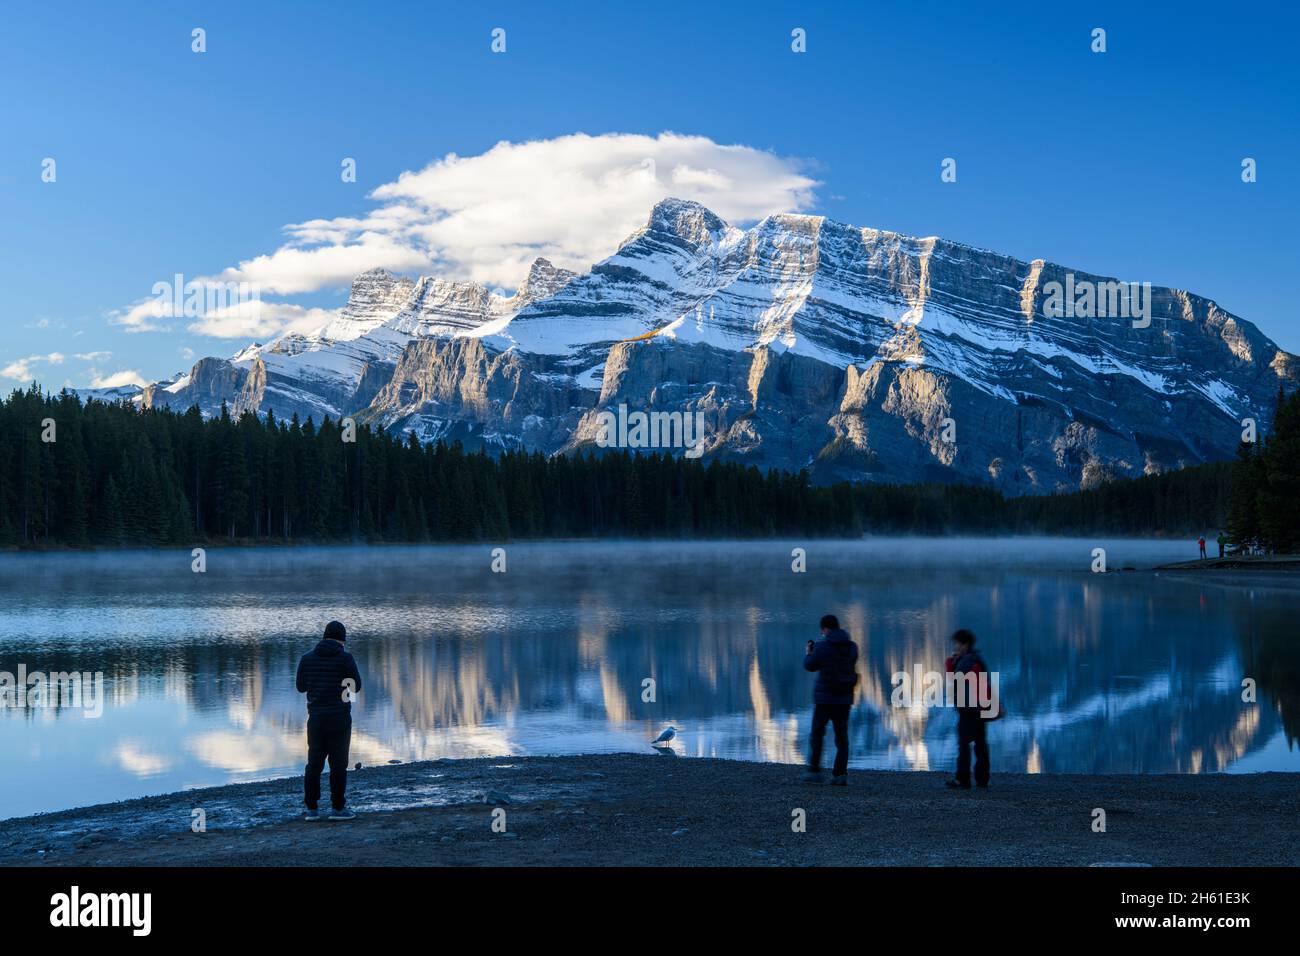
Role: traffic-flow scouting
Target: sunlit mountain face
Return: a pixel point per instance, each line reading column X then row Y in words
column 804, row 342
column 586, row 648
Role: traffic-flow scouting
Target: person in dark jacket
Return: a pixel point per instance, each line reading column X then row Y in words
column 971, row 727
column 835, row 661
column 328, row 675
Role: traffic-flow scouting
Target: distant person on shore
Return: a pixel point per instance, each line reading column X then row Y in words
column 971, row 727
column 1223, row 541
column 1201, row 542
column 835, row 661
column 328, row 675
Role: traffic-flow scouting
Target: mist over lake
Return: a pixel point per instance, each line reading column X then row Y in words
column 1128, row 672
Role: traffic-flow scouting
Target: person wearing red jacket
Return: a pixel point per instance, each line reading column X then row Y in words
column 971, row 727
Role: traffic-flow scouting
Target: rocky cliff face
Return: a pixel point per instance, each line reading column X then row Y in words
column 801, row 342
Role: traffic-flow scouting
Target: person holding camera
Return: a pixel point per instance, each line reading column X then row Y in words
column 834, row 659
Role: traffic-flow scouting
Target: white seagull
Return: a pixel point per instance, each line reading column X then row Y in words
column 666, row 736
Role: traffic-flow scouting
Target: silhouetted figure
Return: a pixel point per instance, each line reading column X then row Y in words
column 835, row 660
column 1223, row 541
column 1201, row 542
column 328, row 676
column 971, row 727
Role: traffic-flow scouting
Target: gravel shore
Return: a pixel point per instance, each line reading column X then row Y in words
column 671, row 811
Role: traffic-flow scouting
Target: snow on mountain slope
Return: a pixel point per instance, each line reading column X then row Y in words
column 338, row 368
column 855, row 352
column 377, row 296
column 658, row 273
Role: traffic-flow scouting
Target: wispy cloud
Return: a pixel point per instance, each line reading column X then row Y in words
column 117, row 379
column 253, row 320
column 146, row 315
column 22, row 368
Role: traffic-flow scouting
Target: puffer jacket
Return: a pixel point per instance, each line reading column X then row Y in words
column 321, row 674
column 835, row 660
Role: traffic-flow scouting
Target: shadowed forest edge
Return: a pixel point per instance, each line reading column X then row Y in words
column 100, row 474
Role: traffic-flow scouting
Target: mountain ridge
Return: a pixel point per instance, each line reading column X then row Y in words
column 804, row 343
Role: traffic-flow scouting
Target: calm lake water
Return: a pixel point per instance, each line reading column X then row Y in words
column 1116, row 673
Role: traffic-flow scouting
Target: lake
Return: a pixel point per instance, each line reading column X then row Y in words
column 1128, row 672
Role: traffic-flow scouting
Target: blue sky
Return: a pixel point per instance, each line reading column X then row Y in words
column 1126, row 163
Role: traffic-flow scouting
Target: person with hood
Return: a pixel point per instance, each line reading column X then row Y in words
column 971, row 725
column 835, row 661
column 328, row 675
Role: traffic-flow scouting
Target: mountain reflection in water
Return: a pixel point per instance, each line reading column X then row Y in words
column 1116, row 673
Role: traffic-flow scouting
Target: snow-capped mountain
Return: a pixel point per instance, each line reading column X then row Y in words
column 803, row 342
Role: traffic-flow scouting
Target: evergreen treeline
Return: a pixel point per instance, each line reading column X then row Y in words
column 1264, row 509
column 114, row 475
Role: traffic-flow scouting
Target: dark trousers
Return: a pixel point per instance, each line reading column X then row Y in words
column 838, row 716
column 972, row 729
column 328, row 736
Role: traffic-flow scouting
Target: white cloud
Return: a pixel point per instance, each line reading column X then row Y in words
column 93, row 356
column 239, row 317
column 293, row 269
column 572, row 199
column 146, row 315
column 124, row 377
column 259, row 320
column 22, row 368
column 133, row 758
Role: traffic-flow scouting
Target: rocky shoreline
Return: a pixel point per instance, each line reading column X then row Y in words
column 624, row 809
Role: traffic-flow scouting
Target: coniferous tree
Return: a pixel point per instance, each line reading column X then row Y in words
column 123, row 475
column 110, row 525
column 1279, row 495
column 1243, row 504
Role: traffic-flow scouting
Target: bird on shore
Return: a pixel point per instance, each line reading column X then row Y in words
column 666, row 736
